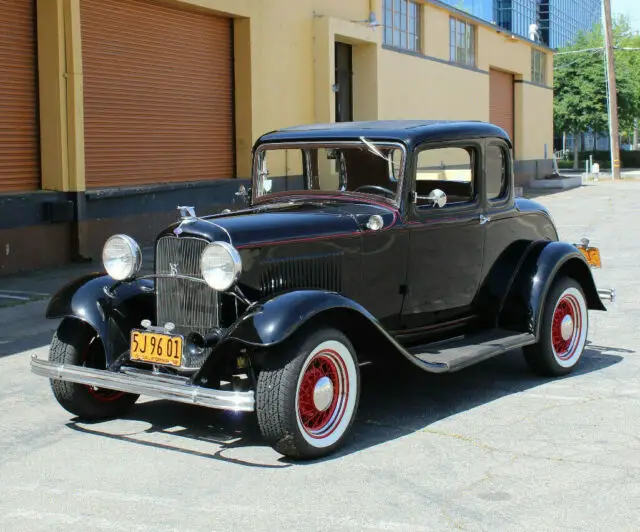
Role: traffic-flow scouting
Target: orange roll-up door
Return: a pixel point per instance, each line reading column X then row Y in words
column 158, row 94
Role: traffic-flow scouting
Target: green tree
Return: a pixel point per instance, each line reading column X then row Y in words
column 580, row 91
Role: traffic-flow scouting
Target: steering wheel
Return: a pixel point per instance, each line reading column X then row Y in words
column 378, row 189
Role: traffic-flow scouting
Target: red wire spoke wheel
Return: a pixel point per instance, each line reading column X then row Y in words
column 569, row 327
column 325, row 395
column 322, row 394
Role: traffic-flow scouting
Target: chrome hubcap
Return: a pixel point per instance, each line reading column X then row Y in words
column 566, row 327
column 323, row 393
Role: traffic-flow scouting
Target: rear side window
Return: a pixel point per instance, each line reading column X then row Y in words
column 496, row 172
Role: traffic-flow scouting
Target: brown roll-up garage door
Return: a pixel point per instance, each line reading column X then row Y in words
column 158, row 94
column 501, row 101
column 19, row 137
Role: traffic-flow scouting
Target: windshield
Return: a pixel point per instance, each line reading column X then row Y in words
column 365, row 167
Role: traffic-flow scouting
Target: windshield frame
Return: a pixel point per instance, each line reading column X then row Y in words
column 257, row 178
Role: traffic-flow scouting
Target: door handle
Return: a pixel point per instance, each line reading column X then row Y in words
column 484, row 219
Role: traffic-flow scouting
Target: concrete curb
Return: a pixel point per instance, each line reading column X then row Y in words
column 563, row 182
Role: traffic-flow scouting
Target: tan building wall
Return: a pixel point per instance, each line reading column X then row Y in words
column 284, row 71
column 283, row 75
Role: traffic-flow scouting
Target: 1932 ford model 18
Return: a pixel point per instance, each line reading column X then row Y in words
column 356, row 241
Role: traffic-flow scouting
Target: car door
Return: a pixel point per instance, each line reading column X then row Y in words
column 445, row 243
column 501, row 230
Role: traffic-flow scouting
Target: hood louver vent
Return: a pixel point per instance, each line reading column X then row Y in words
column 323, row 272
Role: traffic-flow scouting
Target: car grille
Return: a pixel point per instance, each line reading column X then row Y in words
column 190, row 305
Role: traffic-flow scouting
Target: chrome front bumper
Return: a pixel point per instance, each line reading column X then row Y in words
column 161, row 386
column 608, row 294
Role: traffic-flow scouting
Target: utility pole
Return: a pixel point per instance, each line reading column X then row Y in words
column 613, row 95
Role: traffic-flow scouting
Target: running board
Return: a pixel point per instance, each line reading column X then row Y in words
column 457, row 353
column 159, row 386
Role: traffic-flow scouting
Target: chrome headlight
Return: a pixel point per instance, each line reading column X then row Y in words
column 220, row 265
column 121, row 257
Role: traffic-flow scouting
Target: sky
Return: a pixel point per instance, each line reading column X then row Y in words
column 630, row 8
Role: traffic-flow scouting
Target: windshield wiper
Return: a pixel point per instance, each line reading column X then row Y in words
column 374, row 149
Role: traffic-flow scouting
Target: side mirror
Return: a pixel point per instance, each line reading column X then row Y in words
column 436, row 198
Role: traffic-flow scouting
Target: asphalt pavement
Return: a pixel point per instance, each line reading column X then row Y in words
column 491, row 447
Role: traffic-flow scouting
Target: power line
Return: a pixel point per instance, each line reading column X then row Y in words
column 580, row 51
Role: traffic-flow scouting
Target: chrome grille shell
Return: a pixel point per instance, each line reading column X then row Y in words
column 190, row 305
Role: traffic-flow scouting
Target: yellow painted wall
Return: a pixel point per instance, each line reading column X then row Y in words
column 284, row 71
column 435, row 37
column 534, row 122
column 414, row 87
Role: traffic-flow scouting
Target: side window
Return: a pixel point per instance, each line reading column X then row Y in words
column 496, row 172
column 450, row 169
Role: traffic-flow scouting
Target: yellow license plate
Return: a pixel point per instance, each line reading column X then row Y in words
column 156, row 348
column 592, row 255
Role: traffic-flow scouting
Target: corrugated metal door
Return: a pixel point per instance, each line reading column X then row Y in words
column 158, row 94
column 501, row 101
column 19, row 137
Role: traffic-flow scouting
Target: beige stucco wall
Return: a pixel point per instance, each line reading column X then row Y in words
column 534, row 126
column 284, row 72
column 414, row 87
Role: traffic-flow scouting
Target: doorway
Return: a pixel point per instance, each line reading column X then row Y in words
column 343, row 82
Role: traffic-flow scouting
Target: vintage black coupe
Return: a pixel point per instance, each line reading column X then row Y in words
column 355, row 242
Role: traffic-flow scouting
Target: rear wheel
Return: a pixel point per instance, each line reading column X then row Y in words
column 76, row 344
column 563, row 332
column 306, row 399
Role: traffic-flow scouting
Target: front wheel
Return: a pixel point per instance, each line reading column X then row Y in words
column 563, row 330
column 76, row 344
column 307, row 397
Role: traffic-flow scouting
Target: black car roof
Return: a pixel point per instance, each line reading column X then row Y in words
column 408, row 131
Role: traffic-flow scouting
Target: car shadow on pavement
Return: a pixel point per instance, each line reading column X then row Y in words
column 412, row 400
column 393, row 404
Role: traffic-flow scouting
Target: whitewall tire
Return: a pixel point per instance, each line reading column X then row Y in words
column 307, row 396
column 563, row 330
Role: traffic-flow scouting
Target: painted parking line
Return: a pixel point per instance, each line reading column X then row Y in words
column 9, row 296
column 23, row 292
column 554, row 397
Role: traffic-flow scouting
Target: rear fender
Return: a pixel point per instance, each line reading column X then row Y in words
column 545, row 261
column 111, row 314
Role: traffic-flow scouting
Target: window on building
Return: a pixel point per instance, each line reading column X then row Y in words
column 462, row 42
column 402, row 24
column 538, row 67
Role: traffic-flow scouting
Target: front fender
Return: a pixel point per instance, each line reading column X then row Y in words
column 111, row 316
column 545, row 261
column 270, row 322
column 274, row 320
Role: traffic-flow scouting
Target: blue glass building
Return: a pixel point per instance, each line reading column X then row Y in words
column 552, row 22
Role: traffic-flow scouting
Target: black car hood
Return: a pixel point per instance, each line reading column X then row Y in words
column 270, row 224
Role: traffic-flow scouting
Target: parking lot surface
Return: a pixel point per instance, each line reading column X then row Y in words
column 490, row 448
